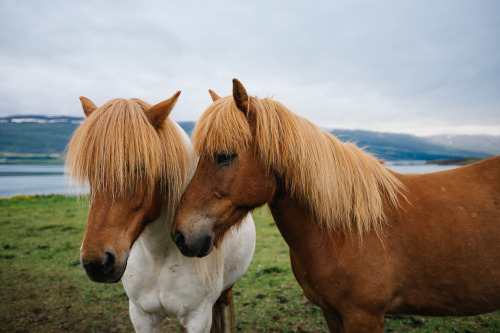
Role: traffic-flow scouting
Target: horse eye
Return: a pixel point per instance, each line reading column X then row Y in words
column 225, row 159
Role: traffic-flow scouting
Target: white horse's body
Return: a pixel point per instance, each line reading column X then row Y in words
column 161, row 282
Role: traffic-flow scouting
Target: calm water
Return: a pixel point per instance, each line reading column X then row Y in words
column 33, row 179
column 414, row 167
column 50, row 179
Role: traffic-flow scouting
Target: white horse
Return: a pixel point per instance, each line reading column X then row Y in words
column 138, row 162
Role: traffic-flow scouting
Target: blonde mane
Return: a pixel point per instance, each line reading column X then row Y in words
column 116, row 149
column 343, row 186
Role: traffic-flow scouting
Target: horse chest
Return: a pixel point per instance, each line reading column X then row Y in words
column 161, row 285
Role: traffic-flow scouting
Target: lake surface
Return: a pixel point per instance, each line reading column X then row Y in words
column 49, row 179
column 415, row 167
column 34, row 179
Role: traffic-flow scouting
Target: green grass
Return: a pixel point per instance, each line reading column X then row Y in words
column 44, row 289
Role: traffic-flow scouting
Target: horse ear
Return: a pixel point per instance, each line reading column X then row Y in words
column 214, row 95
column 88, row 106
column 159, row 112
column 240, row 96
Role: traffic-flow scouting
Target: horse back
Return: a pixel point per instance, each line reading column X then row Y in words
column 445, row 241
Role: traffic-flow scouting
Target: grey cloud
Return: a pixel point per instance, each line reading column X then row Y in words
column 385, row 65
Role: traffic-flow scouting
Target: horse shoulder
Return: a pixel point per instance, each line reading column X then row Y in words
column 334, row 270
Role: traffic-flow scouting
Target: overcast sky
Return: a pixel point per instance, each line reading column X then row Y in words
column 420, row 67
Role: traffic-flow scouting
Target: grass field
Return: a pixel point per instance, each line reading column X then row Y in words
column 44, row 289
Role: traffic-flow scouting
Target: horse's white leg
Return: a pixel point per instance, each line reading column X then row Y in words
column 143, row 321
column 199, row 320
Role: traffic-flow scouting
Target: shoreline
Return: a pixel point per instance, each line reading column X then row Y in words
column 455, row 161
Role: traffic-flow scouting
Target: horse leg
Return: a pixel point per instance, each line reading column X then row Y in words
column 143, row 321
column 353, row 321
column 223, row 319
column 197, row 320
column 333, row 321
column 360, row 321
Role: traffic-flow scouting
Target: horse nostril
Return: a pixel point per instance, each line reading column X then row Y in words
column 109, row 262
column 205, row 248
column 180, row 240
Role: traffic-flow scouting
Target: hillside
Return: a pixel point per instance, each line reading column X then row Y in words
column 41, row 138
column 391, row 146
column 487, row 144
column 45, row 138
column 36, row 134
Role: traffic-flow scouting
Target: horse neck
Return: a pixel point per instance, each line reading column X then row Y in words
column 156, row 236
column 295, row 222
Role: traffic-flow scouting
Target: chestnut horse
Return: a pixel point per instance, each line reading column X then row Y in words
column 138, row 162
column 364, row 241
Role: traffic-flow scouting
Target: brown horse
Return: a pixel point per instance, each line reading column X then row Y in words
column 138, row 162
column 364, row 241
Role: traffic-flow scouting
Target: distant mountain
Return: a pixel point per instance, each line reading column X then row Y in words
column 50, row 135
column 391, row 146
column 41, row 119
column 42, row 134
column 36, row 134
column 187, row 126
column 487, row 144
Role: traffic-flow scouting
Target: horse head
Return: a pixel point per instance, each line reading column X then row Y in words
column 229, row 180
column 118, row 150
column 114, row 224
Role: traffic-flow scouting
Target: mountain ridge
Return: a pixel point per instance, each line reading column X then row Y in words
column 35, row 134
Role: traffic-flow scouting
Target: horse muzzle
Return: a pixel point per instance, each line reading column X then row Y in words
column 103, row 268
column 193, row 246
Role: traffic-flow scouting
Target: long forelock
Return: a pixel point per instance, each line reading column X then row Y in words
column 221, row 129
column 116, row 149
